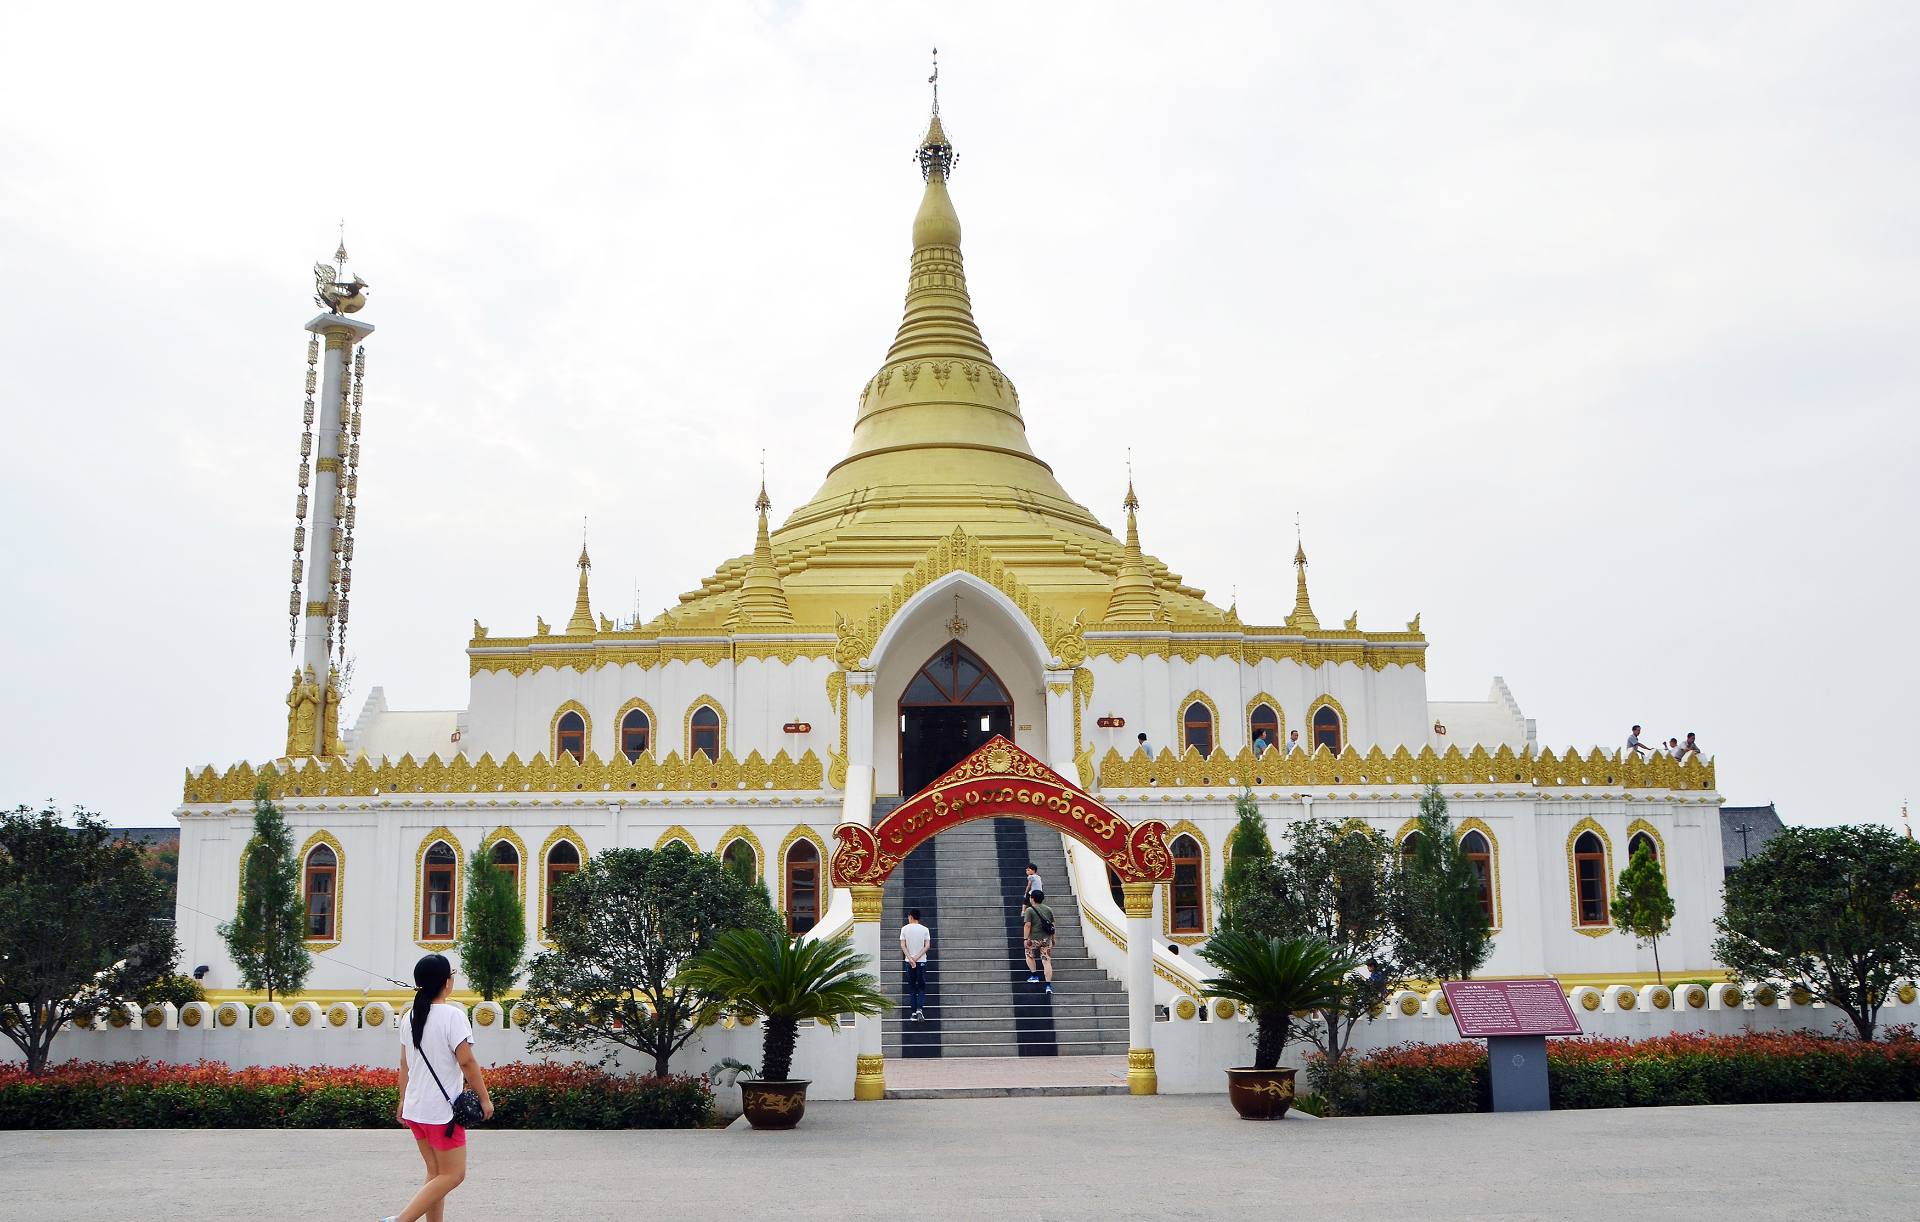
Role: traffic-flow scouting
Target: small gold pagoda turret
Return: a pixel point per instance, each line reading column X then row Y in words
column 1134, row 595
column 763, row 602
column 1303, row 619
column 582, row 620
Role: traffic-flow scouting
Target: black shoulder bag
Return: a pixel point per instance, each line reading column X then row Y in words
column 466, row 1105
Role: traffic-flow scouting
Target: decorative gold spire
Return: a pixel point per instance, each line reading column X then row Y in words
column 582, row 620
column 1134, row 594
column 763, row 602
column 939, row 426
column 1303, row 619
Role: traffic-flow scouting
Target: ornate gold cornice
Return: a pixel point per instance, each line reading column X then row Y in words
column 337, row 778
column 1504, row 767
column 1374, row 650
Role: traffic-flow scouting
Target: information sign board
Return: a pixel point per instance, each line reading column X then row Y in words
column 1492, row 1008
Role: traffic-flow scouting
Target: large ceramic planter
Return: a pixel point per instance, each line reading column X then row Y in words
column 1261, row 1094
column 777, row 1105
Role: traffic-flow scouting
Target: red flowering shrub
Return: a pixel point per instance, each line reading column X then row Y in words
column 146, row 1094
column 1591, row 1071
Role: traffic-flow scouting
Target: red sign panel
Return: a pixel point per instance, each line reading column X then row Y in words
column 1509, row 1007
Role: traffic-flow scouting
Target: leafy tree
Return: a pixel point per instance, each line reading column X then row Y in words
column 746, row 864
column 494, row 934
column 1276, row 978
column 784, row 980
column 1832, row 910
column 163, row 861
column 84, row 926
column 267, row 937
column 1248, row 844
column 1641, row 906
column 622, row 929
column 1440, row 929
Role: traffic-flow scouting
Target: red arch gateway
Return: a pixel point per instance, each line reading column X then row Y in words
column 1000, row 780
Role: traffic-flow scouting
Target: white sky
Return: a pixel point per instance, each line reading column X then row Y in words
column 1591, row 337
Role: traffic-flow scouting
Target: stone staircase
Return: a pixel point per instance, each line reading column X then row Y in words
column 967, row 884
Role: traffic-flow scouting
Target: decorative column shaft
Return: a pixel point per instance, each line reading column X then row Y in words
column 870, row 1070
column 1142, row 1079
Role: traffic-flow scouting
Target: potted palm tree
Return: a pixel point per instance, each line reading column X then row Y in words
column 783, row 980
column 1275, row 978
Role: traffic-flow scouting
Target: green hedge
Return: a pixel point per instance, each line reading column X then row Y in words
column 142, row 1094
column 1786, row 1067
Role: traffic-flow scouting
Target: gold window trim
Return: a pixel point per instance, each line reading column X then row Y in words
column 741, row 831
column 653, row 728
column 803, row 832
column 563, row 832
column 1659, row 843
column 686, row 724
column 339, row 879
column 1493, row 864
column 519, row 846
column 1180, row 720
column 1186, row 827
column 1279, row 714
column 1325, row 700
column 1606, row 876
column 676, row 832
column 586, row 731
column 420, row 889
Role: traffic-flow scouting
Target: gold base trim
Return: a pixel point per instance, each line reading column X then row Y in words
column 870, row 1077
column 1142, row 1079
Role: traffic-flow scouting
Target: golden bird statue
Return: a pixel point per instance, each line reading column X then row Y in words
column 338, row 296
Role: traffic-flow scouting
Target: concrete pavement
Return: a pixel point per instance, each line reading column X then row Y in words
column 1105, row 1158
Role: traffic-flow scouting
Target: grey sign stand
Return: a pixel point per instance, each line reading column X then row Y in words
column 1517, row 1069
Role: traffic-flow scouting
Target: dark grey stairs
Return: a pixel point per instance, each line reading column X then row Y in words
column 967, row 883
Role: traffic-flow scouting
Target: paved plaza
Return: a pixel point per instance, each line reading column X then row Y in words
column 1028, row 1158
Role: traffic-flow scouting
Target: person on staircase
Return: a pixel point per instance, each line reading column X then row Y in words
column 1038, row 939
column 1032, row 884
column 915, row 941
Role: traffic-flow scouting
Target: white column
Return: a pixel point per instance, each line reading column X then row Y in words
column 1060, row 744
column 870, row 1070
column 340, row 334
column 860, row 733
column 1141, row 1076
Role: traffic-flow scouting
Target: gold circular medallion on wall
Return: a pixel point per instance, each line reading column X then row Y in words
column 1223, row 1009
column 1625, row 1000
column 1765, row 996
column 483, row 1015
column 1731, row 995
column 117, row 1016
column 263, row 1016
column 1409, row 1006
column 1696, row 997
column 1801, row 997
column 153, row 1016
column 1906, row 994
column 1185, row 1008
column 229, row 1014
column 1590, row 1001
column 1662, row 999
column 190, row 1017
column 302, row 1016
column 339, row 1014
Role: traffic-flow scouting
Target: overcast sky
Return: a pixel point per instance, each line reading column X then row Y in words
column 1592, row 338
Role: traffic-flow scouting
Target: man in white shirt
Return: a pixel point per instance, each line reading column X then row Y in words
column 1033, row 883
column 1634, row 746
column 1293, row 741
column 915, row 941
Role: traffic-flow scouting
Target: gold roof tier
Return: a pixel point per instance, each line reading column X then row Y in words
column 938, row 442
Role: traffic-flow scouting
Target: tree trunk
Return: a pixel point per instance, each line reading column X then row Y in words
column 1270, row 1040
column 776, row 1049
column 1662, row 980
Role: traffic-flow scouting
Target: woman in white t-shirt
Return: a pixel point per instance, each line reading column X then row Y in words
column 439, row 1045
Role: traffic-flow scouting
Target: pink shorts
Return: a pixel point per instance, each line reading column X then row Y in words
column 435, row 1135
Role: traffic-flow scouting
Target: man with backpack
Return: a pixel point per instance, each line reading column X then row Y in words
column 1038, row 930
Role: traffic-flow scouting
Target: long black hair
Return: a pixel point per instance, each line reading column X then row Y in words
column 430, row 975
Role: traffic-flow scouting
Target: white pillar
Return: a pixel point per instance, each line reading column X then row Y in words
column 1142, row 1079
column 870, row 1070
column 860, row 733
column 340, row 334
column 1060, row 745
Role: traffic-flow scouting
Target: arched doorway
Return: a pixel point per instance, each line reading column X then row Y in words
column 952, row 707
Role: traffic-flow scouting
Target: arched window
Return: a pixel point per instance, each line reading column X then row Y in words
column 803, row 886
column 570, row 736
column 1641, row 840
column 705, row 728
column 1590, row 879
column 1199, row 728
column 563, row 860
column 1326, row 729
column 1478, row 852
column 739, row 855
column 1409, row 845
column 1189, row 886
column 436, row 892
column 635, row 735
column 1264, row 720
column 506, row 859
column 323, row 871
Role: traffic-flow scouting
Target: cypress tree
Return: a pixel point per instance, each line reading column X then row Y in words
column 494, row 934
column 1440, row 929
column 267, row 936
column 1641, row 905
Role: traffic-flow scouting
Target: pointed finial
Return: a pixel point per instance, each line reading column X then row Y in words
column 1132, row 502
column 935, row 153
column 583, row 562
column 934, row 80
column 340, row 252
column 1299, row 547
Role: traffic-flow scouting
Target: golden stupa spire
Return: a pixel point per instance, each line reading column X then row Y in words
column 1303, row 619
column 763, row 601
column 939, row 427
column 1134, row 595
column 582, row 620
